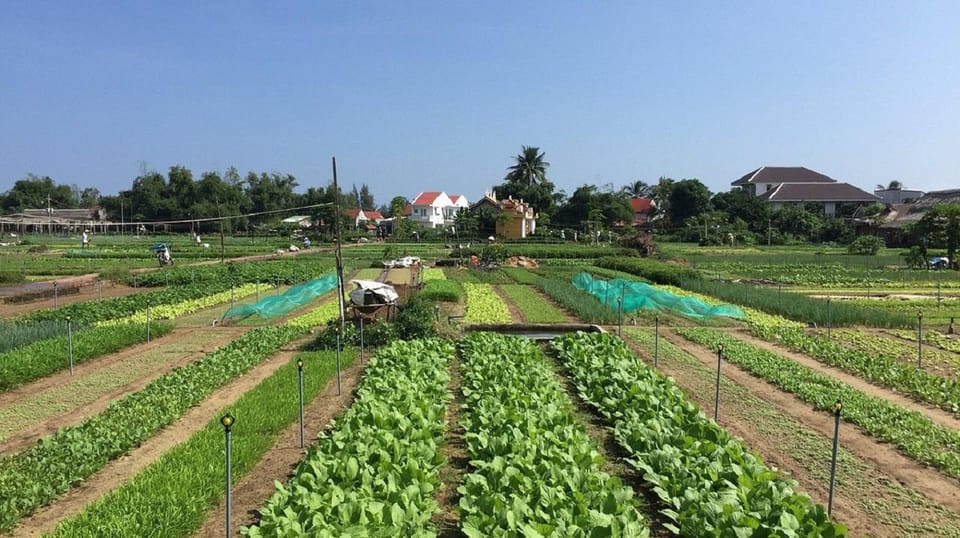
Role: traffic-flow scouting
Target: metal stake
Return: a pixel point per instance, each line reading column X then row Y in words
column 716, row 398
column 339, row 388
column 620, row 317
column 99, row 289
column 920, row 339
column 361, row 339
column 837, row 408
column 278, row 284
column 828, row 317
column 300, row 376
column 70, row 343
column 227, row 422
column 56, row 294
column 656, row 340
column 148, row 322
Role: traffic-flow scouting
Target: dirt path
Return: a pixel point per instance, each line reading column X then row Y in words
column 121, row 470
column 447, row 520
column 868, row 499
column 515, row 312
column 88, row 292
column 933, row 413
column 916, row 476
column 72, row 399
column 256, row 487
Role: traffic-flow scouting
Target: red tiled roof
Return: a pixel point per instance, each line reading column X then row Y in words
column 351, row 212
column 783, row 174
column 407, row 211
column 641, row 205
column 455, row 197
column 373, row 215
column 426, row 198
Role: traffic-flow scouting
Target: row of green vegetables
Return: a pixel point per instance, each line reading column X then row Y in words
column 44, row 357
column 377, row 472
column 710, row 484
column 484, row 305
column 877, row 367
column 35, row 476
column 533, row 307
column 535, row 471
column 284, row 271
column 173, row 495
column 900, row 346
column 910, row 431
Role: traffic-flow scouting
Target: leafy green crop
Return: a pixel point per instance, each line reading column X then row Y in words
column 44, row 357
column 377, row 472
column 41, row 473
column 536, row 472
column 172, row 496
column 912, row 432
column 711, row 485
column 484, row 305
column 533, row 307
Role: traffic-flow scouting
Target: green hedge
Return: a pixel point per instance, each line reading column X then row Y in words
column 568, row 250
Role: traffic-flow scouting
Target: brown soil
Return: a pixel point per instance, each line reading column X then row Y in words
column 121, row 470
column 935, row 414
column 515, row 312
column 447, row 520
column 28, row 436
column 256, row 487
column 914, row 475
column 88, row 292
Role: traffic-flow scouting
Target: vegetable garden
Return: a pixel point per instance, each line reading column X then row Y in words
column 482, row 434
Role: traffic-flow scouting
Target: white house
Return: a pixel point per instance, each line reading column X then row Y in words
column 435, row 209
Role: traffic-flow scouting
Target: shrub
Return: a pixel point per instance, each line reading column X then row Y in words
column 866, row 245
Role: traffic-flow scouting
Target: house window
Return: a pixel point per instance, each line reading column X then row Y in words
column 769, row 186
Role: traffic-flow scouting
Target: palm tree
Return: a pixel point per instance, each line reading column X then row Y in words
column 530, row 168
column 638, row 189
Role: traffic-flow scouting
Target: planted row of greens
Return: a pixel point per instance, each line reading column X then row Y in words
column 584, row 305
column 377, row 472
column 533, row 307
column 709, row 483
column 912, row 432
column 14, row 334
column 172, row 311
column 767, row 299
column 535, row 472
column 876, row 368
column 448, row 291
column 39, row 474
column 285, row 271
column 902, row 347
column 44, row 357
column 172, row 496
column 484, row 305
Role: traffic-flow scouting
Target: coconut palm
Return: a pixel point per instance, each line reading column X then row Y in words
column 638, row 189
column 530, row 168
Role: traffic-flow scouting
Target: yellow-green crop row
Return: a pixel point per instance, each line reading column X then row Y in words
column 433, row 273
column 172, row 311
column 484, row 305
column 318, row 316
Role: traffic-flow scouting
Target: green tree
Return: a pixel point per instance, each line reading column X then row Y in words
column 740, row 204
column 638, row 189
column 688, row 198
column 530, row 167
column 34, row 192
column 942, row 224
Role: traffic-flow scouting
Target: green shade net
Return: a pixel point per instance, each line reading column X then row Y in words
column 641, row 296
column 278, row 305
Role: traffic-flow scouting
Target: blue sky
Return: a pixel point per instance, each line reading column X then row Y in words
column 414, row 96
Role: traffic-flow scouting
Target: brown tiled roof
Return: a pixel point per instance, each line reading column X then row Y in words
column 817, row 192
column 783, row 174
column 641, row 205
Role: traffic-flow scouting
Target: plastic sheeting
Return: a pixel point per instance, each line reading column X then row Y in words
column 641, row 296
column 277, row 305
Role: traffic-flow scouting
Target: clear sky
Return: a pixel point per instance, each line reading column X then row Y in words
column 414, row 96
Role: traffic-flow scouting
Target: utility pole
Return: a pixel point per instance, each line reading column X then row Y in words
column 337, row 239
column 49, row 217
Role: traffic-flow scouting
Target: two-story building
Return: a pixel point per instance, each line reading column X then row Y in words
column 434, row 209
column 796, row 185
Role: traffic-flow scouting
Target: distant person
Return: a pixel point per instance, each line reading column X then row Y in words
column 196, row 237
column 84, row 240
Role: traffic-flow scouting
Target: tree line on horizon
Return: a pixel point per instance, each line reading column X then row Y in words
column 685, row 209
